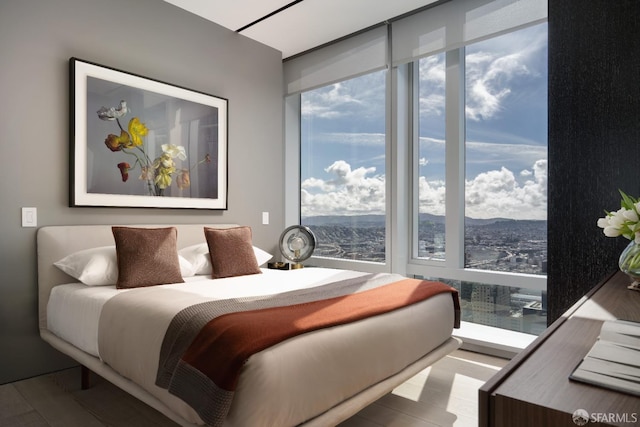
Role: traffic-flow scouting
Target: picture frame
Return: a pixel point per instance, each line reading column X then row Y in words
column 140, row 142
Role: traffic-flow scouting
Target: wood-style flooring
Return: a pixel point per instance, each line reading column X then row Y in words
column 445, row 394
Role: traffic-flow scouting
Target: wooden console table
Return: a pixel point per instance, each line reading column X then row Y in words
column 534, row 389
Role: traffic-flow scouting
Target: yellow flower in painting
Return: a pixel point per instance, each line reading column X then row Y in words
column 117, row 143
column 183, row 181
column 165, row 167
column 137, row 130
column 164, row 162
column 167, row 162
column 163, row 179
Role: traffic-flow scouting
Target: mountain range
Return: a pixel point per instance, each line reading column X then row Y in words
column 364, row 221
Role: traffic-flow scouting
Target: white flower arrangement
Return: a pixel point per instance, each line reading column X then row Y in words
column 625, row 221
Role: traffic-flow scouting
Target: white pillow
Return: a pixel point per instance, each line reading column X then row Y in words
column 99, row 266
column 198, row 256
column 261, row 256
column 186, row 269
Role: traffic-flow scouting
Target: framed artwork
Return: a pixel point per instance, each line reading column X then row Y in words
column 139, row 142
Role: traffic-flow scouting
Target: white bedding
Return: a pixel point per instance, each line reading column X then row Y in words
column 74, row 309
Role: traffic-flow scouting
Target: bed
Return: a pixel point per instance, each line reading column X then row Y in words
column 315, row 378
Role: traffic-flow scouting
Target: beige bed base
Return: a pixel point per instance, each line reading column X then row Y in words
column 55, row 242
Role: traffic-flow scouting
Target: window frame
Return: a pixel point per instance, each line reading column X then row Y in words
column 452, row 267
column 293, row 141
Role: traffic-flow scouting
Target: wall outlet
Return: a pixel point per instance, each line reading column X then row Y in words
column 265, row 218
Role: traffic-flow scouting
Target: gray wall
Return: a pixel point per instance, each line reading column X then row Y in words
column 594, row 138
column 147, row 37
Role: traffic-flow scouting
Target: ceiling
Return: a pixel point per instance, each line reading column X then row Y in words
column 293, row 27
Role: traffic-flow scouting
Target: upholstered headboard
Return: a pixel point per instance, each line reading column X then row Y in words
column 56, row 242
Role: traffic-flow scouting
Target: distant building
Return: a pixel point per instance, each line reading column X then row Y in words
column 491, row 304
column 534, row 317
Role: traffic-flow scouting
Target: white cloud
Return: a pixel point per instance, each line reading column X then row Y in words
column 352, row 138
column 361, row 97
column 432, row 85
column 492, row 194
column 432, row 196
column 488, row 77
column 492, row 69
column 514, row 155
column 322, row 103
column 497, row 194
column 347, row 192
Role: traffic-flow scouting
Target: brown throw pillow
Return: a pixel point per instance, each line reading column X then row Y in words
column 146, row 256
column 231, row 252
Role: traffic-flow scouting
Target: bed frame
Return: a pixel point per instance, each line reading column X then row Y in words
column 55, row 242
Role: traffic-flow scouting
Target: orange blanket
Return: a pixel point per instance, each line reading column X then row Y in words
column 226, row 342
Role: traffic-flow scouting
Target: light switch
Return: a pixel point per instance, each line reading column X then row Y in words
column 265, row 218
column 29, row 217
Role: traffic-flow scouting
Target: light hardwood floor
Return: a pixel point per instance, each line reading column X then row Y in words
column 445, row 394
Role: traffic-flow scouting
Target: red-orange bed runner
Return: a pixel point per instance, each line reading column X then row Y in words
column 222, row 346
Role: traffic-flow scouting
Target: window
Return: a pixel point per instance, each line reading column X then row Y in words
column 342, row 168
column 506, row 152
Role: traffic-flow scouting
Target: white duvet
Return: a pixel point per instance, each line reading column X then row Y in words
column 73, row 311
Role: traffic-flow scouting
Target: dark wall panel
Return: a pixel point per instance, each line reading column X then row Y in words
column 594, row 138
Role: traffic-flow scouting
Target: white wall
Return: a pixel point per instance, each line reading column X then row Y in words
column 147, row 37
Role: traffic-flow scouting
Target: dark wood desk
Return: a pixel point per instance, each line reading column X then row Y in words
column 534, row 389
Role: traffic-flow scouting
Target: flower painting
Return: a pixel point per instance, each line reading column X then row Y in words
column 143, row 143
column 157, row 174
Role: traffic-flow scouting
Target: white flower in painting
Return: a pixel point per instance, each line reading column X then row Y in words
column 113, row 113
column 174, row 151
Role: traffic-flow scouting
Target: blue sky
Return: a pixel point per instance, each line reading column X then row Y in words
column 506, row 135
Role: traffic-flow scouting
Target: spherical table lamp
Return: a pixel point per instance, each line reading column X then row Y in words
column 297, row 244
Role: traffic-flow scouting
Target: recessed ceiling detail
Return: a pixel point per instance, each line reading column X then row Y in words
column 293, row 27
